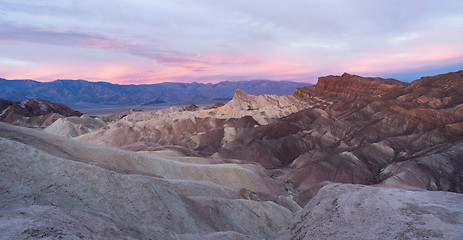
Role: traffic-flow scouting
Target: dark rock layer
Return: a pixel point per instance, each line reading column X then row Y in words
column 35, row 113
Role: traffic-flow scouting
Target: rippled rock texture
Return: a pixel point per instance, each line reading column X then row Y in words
column 141, row 195
column 346, row 211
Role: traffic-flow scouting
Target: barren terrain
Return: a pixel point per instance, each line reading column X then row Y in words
column 348, row 158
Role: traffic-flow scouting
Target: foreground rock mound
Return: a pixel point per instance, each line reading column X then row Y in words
column 344, row 211
column 49, row 222
column 36, row 113
column 145, row 195
column 75, row 126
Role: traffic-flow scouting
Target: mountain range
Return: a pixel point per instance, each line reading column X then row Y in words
column 80, row 94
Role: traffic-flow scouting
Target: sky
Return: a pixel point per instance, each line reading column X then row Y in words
column 151, row 41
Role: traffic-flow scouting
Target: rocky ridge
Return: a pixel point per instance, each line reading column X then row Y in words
column 35, row 112
column 204, row 130
column 350, row 86
column 75, row 126
column 144, row 195
column 345, row 211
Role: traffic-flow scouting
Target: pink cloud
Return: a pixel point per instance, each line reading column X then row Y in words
column 404, row 59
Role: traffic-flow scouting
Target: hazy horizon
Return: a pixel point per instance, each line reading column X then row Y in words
column 99, row 81
column 405, row 77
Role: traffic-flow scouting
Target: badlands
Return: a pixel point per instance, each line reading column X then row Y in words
column 348, row 158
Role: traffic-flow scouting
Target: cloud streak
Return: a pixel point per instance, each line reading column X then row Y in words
column 154, row 41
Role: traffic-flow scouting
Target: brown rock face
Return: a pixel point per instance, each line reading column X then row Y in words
column 355, row 86
column 350, row 86
column 4, row 104
column 190, row 108
column 36, row 113
column 441, row 91
column 214, row 105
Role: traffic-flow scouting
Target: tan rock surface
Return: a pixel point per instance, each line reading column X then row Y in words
column 263, row 108
column 48, row 222
column 346, row 211
column 248, row 176
column 75, row 126
column 139, row 205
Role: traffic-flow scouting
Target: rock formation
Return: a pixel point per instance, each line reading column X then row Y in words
column 384, row 136
column 214, row 105
column 263, row 108
column 350, row 86
column 344, row 211
column 190, row 108
column 75, row 126
column 145, row 195
column 35, row 113
column 50, row 222
column 4, row 104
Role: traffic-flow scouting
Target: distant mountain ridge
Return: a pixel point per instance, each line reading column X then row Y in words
column 82, row 94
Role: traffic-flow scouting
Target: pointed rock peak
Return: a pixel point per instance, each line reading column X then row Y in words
column 239, row 94
column 190, row 108
column 347, row 76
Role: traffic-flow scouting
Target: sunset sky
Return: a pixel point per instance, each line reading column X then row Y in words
column 141, row 41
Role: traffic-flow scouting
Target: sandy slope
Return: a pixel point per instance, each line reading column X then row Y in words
column 249, row 176
column 142, row 206
column 75, row 126
column 347, row 211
